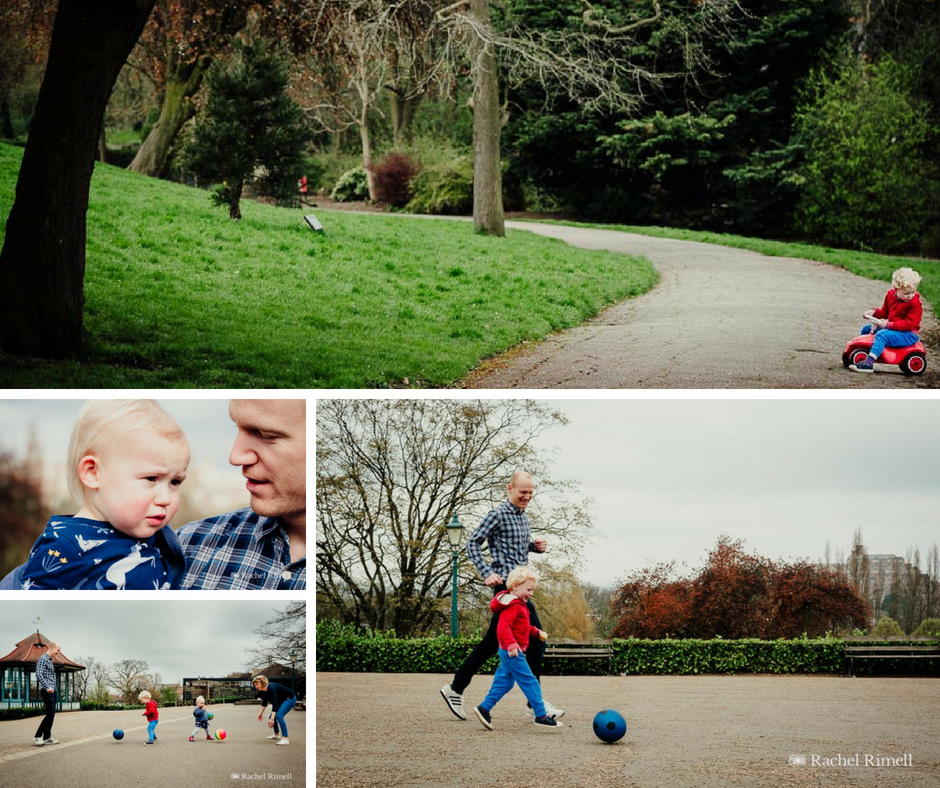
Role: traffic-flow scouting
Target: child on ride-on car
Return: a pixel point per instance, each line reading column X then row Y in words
column 896, row 322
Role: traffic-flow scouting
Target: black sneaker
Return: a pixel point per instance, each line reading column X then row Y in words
column 547, row 723
column 867, row 364
column 484, row 716
column 454, row 701
column 148, row 742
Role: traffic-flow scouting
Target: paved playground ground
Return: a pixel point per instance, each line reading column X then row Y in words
column 87, row 755
column 394, row 730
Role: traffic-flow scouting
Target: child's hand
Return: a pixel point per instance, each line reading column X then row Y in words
column 881, row 322
column 868, row 314
column 514, row 651
column 543, row 635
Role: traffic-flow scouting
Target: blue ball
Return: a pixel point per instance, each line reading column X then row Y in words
column 609, row 726
column 118, row 734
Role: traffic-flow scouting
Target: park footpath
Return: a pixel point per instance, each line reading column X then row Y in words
column 753, row 731
column 88, row 756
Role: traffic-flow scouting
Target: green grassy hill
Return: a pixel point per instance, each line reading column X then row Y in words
column 180, row 296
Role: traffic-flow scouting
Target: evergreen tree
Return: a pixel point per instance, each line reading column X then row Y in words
column 251, row 133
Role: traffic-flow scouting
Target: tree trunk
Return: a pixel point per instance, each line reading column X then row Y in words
column 6, row 118
column 488, row 217
column 402, row 113
column 176, row 108
column 366, row 141
column 42, row 264
column 235, row 200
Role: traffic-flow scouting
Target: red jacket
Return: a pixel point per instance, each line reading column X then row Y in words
column 151, row 710
column 902, row 315
column 513, row 628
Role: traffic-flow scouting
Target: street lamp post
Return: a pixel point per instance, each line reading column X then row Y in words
column 454, row 532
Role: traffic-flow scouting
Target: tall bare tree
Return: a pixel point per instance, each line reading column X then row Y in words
column 282, row 635
column 129, row 677
column 392, row 473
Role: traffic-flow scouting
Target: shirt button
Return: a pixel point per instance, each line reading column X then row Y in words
column 285, row 575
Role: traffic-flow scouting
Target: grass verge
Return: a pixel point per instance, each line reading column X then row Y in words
column 177, row 295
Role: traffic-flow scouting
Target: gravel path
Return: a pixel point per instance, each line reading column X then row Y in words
column 719, row 318
column 394, row 731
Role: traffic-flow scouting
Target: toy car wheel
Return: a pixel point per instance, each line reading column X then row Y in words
column 845, row 360
column 914, row 364
column 857, row 356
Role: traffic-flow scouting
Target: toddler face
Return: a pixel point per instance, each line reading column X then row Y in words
column 139, row 483
column 905, row 293
column 524, row 590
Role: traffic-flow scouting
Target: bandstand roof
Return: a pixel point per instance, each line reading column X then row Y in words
column 29, row 650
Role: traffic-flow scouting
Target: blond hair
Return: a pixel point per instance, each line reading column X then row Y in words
column 905, row 278
column 200, row 698
column 146, row 695
column 102, row 423
column 520, row 575
column 262, row 680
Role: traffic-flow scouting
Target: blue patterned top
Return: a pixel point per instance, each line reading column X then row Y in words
column 240, row 550
column 77, row 553
column 45, row 672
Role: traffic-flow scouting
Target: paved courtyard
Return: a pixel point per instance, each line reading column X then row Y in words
column 775, row 731
column 87, row 755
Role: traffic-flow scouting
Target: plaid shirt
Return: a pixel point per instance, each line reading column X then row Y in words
column 45, row 673
column 506, row 529
column 239, row 550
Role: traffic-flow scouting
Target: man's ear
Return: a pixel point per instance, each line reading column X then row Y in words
column 88, row 470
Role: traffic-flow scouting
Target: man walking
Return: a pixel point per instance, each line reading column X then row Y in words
column 45, row 678
column 507, row 532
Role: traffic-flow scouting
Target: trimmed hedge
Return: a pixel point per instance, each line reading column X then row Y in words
column 346, row 649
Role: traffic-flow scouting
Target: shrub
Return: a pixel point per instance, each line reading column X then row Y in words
column 444, row 189
column 887, row 627
column 929, row 627
column 393, row 176
column 352, row 185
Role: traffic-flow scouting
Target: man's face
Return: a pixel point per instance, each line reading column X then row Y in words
column 139, row 483
column 271, row 448
column 521, row 492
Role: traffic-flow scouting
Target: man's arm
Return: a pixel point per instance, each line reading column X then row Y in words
column 482, row 533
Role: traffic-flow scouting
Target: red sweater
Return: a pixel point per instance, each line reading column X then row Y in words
column 513, row 628
column 151, row 710
column 902, row 315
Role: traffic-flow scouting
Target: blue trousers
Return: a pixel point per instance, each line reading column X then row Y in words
column 511, row 671
column 886, row 337
column 151, row 729
column 286, row 706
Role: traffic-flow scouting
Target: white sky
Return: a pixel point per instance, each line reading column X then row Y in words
column 176, row 638
column 669, row 476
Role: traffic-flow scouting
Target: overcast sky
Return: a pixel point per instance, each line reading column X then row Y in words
column 669, row 476
column 176, row 638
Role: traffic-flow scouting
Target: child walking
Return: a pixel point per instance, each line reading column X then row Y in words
column 896, row 321
column 202, row 718
column 126, row 462
column 152, row 715
column 512, row 633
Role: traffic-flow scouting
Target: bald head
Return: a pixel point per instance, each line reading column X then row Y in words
column 521, row 489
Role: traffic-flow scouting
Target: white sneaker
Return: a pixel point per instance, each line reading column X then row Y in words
column 38, row 741
column 550, row 710
column 454, row 701
column 50, row 740
column 283, row 741
column 275, row 736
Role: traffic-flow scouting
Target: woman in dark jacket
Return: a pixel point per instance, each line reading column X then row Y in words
column 282, row 700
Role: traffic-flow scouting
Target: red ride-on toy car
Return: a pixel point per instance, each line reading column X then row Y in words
column 911, row 359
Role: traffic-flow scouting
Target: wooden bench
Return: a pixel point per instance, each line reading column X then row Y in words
column 596, row 649
column 909, row 648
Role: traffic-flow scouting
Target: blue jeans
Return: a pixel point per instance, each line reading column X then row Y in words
column 886, row 337
column 286, row 706
column 511, row 671
column 151, row 728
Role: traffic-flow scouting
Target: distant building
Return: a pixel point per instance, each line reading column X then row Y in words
column 18, row 676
